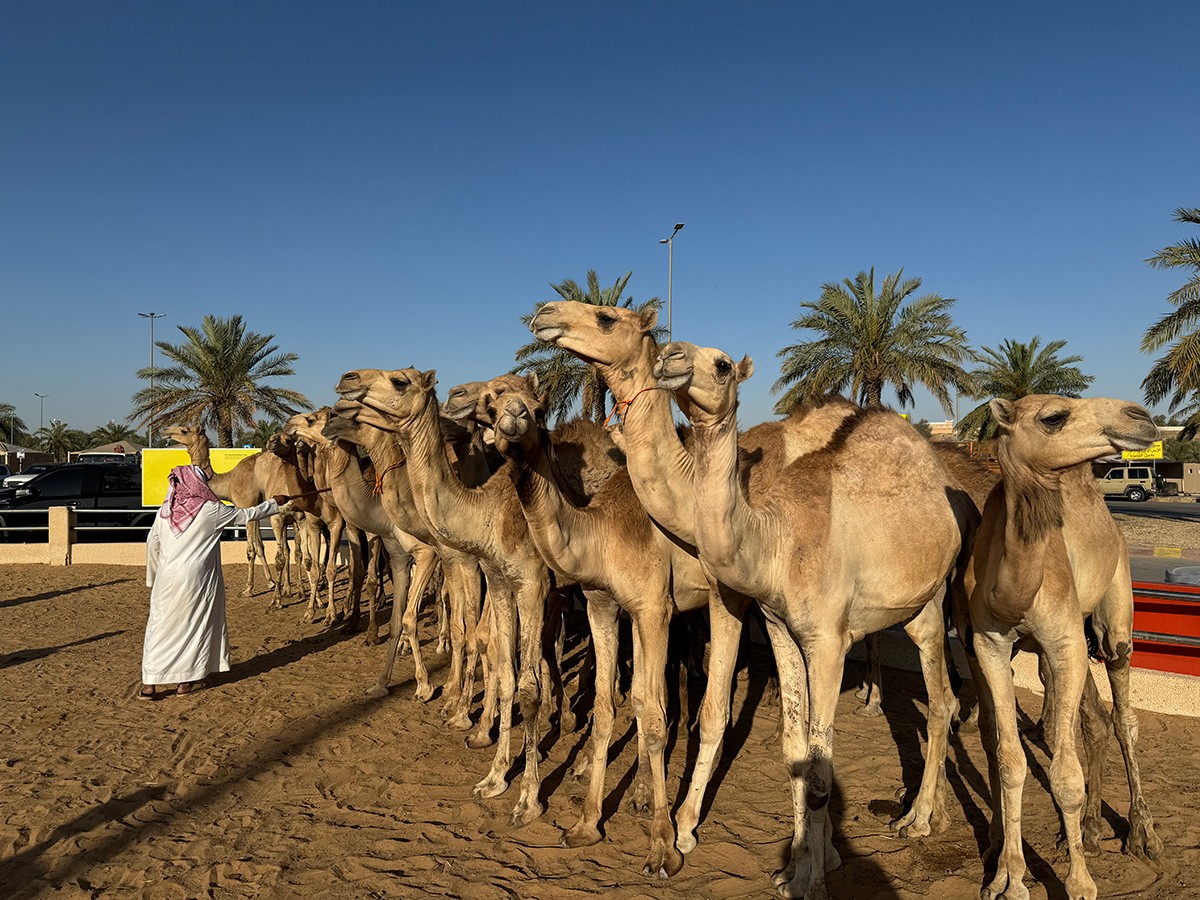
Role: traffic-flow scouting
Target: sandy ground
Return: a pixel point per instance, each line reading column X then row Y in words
column 285, row 781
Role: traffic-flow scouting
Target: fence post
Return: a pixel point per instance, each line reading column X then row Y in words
column 62, row 535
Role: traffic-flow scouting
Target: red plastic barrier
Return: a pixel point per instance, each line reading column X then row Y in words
column 1166, row 627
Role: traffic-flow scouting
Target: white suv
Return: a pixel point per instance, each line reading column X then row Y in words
column 1131, row 482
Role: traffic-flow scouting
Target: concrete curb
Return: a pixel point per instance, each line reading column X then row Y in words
column 1166, row 552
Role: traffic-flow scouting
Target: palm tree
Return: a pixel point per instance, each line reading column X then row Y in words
column 566, row 377
column 216, row 379
column 114, row 432
column 60, row 439
column 12, row 429
column 260, row 433
column 1177, row 374
column 1015, row 370
column 867, row 341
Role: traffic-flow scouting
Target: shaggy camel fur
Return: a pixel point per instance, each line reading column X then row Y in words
column 1048, row 555
column 619, row 343
column 251, row 481
column 853, row 538
column 391, row 485
column 611, row 548
column 486, row 521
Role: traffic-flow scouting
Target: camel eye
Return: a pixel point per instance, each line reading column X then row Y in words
column 1055, row 421
column 606, row 319
column 399, row 383
column 724, row 367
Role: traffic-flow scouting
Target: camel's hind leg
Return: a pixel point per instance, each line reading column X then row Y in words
column 1112, row 621
column 255, row 551
column 871, row 692
column 928, row 632
column 1096, row 728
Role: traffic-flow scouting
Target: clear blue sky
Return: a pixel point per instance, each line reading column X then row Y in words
column 426, row 170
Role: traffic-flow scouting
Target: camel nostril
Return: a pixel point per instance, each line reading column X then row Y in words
column 1138, row 413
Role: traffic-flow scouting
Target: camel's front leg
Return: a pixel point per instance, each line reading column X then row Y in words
column 462, row 573
column 495, row 782
column 255, row 551
column 602, row 621
column 424, row 563
column 1112, row 621
column 486, row 633
column 650, row 707
column 460, row 715
column 871, row 692
column 336, row 530
column 994, row 654
column 1096, row 728
column 725, row 611
column 1067, row 658
column 928, row 632
column 531, row 611
column 283, row 571
column 359, row 559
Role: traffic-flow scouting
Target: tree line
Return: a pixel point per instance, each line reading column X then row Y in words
column 866, row 339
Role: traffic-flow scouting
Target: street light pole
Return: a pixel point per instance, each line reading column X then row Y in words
column 150, row 425
column 41, row 407
column 670, row 242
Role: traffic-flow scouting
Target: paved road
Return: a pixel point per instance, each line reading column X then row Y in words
column 1166, row 509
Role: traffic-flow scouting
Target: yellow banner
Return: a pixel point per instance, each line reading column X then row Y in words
column 1154, row 451
column 157, row 465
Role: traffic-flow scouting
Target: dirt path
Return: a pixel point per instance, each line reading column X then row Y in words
column 285, row 781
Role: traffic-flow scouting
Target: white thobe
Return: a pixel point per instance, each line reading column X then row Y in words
column 186, row 637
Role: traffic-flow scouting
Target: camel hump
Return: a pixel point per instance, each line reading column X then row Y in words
column 585, row 456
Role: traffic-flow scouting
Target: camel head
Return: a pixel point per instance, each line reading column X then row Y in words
column 342, row 425
column 308, row 427
column 605, row 335
column 519, row 417
column 387, row 399
column 471, row 401
column 704, row 380
column 188, row 435
column 1045, row 434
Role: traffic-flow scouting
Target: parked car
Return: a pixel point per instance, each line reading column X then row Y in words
column 84, row 486
column 29, row 473
column 1130, row 482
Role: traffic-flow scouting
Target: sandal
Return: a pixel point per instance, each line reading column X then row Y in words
column 190, row 687
column 147, row 693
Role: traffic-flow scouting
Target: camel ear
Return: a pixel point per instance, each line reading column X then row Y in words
column 1003, row 411
column 533, row 382
column 745, row 369
column 543, row 400
column 649, row 320
column 429, row 379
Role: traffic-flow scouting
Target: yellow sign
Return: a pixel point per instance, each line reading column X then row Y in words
column 157, row 465
column 1154, row 451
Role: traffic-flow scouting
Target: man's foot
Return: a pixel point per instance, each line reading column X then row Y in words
column 148, row 692
column 190, row 687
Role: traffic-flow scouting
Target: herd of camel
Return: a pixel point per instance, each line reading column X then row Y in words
column 838, row 522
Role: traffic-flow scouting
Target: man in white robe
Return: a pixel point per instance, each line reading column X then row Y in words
column 186, row 636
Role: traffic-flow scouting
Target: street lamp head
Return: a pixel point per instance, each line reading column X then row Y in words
column 678, row 225
column 665, row 241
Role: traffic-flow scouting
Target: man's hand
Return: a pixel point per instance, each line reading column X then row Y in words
column 281, row 499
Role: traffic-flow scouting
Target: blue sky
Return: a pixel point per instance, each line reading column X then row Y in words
column 426, row 170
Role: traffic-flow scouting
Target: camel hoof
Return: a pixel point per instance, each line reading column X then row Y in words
column 480, row 739
column 566, row 722
column 582, row 835
column 491, row 786
column 685, row 841
column 1143, row 842
column 424, row 692
column 579, row 771
column 1003, row 887
column 377, row 693
column 641, row 800
column 663, row 862
column 372, row 638
column 869, row 711
column 525, row 812
column 460, row 721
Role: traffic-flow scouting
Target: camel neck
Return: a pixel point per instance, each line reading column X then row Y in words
column 1033, row 518
column 660, row 468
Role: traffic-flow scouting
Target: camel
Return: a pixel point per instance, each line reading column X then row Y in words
column 619, row 344
column 610, row 547
column 391, row 485
column 853, row 538
column 364, row 510
column 1047, row 557
column 250, row 482
column 487, row 522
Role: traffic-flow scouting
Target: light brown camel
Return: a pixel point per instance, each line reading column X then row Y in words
column 1048, row 555
column 248, row 483
column 853, row 538
column 485, row 521
column 611, row 548
column 354, row 495
column 619, row 344
column 391, row 485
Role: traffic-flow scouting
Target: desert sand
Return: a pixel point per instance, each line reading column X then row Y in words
column 284, row 780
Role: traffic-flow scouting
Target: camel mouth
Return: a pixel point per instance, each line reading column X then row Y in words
column 351, row 393
column 1129, row 441
column 457, row 412
column 548, row 333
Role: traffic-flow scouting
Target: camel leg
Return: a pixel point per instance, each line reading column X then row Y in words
column 1096, row 728
column 1112, row 620
column 824, row 658
column 359, row 558
column 725, row 623
column 335, row 542
column 650, row 708
column 312, row 542
column 495, row 782
column 871, row 692
column 602, row 622
column 1068, row 660
column 460, row 714
column 994, row 655
column 442, row 604
column 283, row 572
column 413, row 590
column 928, row 632
column 456, row 574
column 531, row 611
column 482, row 735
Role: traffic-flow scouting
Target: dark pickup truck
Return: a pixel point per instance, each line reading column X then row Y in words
column 84, row 486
